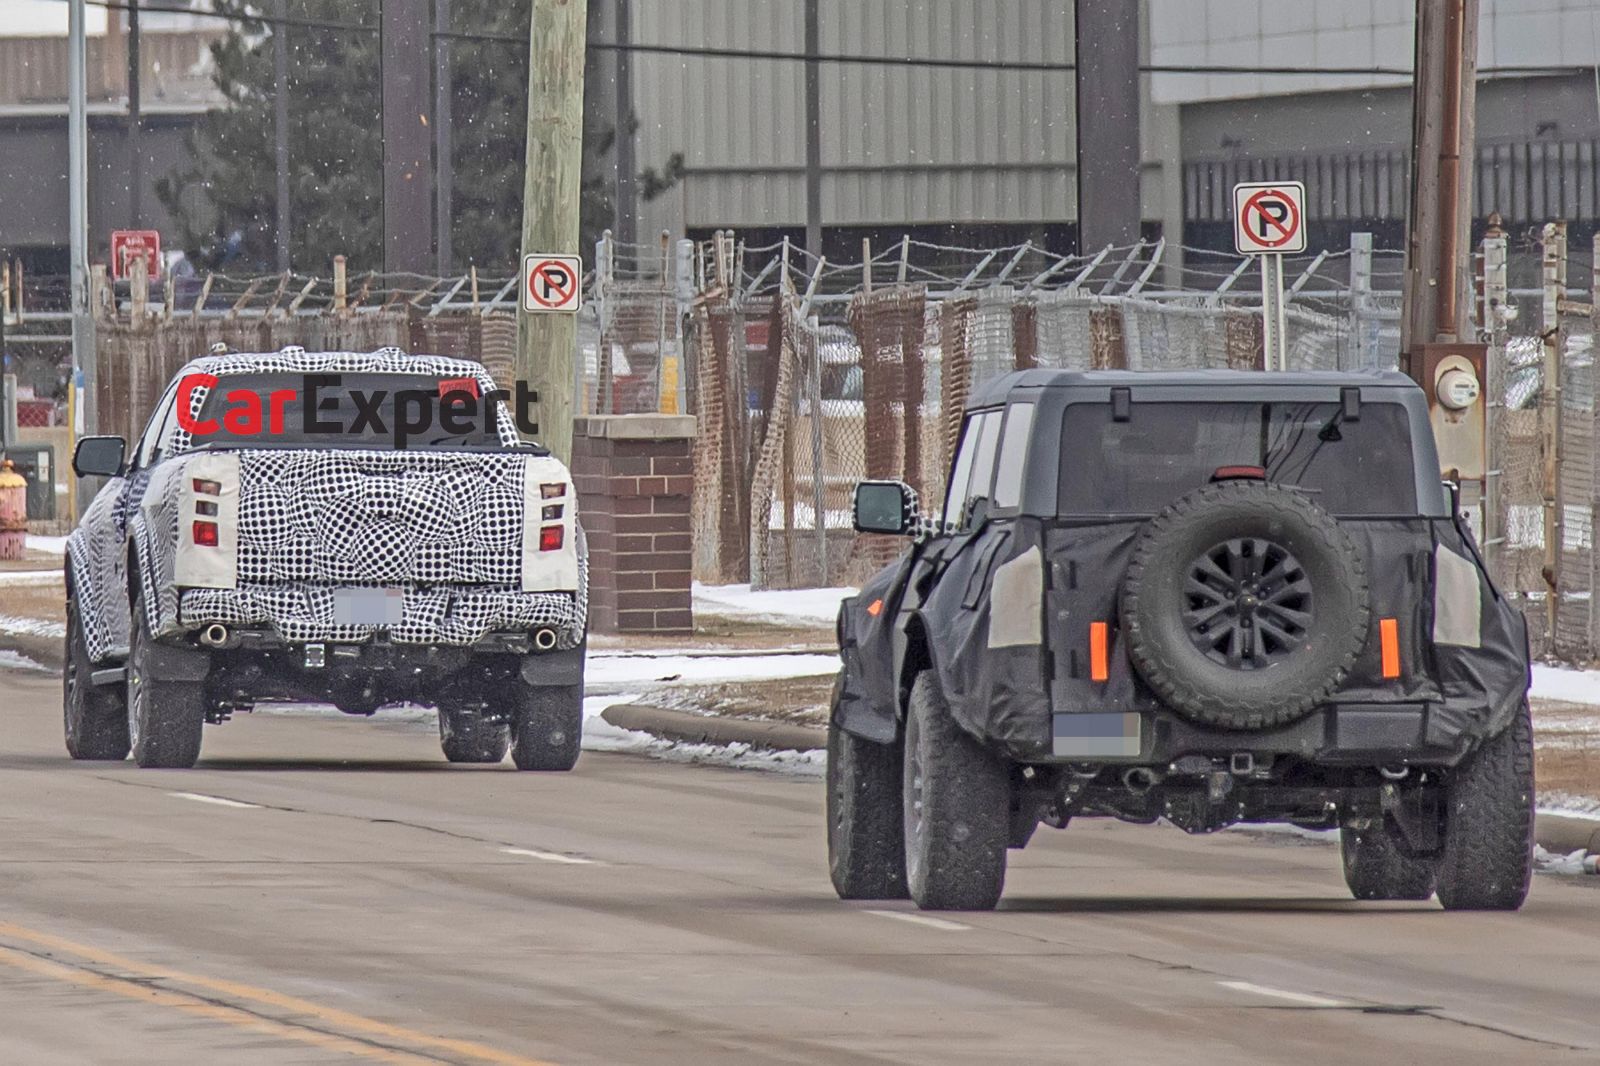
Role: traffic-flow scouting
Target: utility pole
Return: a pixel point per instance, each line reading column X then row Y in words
column 813, row 42
column 443, row 139
column 407, row 147
column 135, row 149
column 627, row 220
column 552, row 189
column 1106, row 90
column 280, row 132
column 83, row 352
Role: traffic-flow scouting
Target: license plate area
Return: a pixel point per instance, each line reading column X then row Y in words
column 1113, row 735
column 368, row 607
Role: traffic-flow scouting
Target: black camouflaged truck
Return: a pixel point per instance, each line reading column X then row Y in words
column 1207, row 597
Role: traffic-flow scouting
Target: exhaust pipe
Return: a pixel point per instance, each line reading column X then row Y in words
column 1139, row 780
column 544, row 639
column 1395, row 773
column 214, row 635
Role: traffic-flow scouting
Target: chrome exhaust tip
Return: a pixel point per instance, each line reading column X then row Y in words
column 544, row 639
column 214, row 635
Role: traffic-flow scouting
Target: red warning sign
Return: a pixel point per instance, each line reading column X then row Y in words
column 1268, row 217
column 552, row 283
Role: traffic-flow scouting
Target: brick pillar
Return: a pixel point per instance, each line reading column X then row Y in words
column 634, row 475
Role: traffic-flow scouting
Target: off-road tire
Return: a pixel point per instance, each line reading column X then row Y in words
column 1154, row 599
column 1487, row 859
column 466, row 736
column 957, row 802
column 1376, row 868
column 866, row 823
column 548, row 728
column 94, row 717
column 165, row 718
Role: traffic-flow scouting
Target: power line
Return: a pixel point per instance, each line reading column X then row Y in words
column 936, row 62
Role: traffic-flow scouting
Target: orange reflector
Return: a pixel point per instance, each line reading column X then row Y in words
column 1389, row 639
column 875, row 608
column 1099, row 657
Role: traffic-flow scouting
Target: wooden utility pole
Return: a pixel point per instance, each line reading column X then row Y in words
column 550, row 198
column 1443, row 100
column 1107, row 94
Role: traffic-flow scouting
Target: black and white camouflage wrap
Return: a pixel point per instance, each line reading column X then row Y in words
column 445, row 527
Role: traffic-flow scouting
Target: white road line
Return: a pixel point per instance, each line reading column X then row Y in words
column 549, row 856
column 922, row 919
column 217, row 800
column 1277, row 993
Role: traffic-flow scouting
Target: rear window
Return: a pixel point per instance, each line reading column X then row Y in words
column 1167, row 449
column 370, row 411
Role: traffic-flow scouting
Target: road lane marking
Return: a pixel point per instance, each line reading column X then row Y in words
column 200, row 797
column 1277, row 993
column 549, row 856
column 923, row 919
column 191, row 1004
column 358, row 1031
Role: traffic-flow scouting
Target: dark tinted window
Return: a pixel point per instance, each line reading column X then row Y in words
column 1168, row 449
column 362, row 411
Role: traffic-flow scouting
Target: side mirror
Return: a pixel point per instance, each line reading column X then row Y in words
column 99, row 456
column 885, row 507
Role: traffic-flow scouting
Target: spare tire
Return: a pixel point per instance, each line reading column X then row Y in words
column 1245, row 605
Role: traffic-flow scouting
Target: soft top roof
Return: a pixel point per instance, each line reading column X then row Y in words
column 999, row 389
column 296, row 360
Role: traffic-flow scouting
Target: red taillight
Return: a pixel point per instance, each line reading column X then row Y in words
column 551, row 490
column 209, row 488
column 205, row 534
column 551, row 538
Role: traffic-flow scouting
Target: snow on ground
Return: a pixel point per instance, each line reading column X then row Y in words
column 1564, row 685
column 31, row 627
column 51, row 545
column 10, row 660
column 601, row 735
column 30, row 577
column 674, row 667
column 793, row 606
column 1568, row 805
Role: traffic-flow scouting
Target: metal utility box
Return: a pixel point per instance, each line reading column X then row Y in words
column 1453, row 377
column 36, row 462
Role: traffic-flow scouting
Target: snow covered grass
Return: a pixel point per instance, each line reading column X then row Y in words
column 611, row 668
column 31, row 627
column 1565, row 685
column 49, row 545
column 791, row 606
column 30, row 577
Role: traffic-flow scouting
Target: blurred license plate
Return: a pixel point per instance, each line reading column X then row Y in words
column 1089, row 735
column 368, row 607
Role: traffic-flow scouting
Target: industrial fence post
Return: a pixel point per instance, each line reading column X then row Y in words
column 1493, row 325
column 1360, row 302
column 1554, row 279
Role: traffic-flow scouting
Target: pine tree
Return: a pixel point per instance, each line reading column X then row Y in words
column 226, row 187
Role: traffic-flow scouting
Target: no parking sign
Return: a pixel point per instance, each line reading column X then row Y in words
column 552, row 283
column 1269, row 217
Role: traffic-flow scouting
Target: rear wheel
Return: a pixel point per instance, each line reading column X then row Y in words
column 957, row 797
column 95, row 716
column 466, row 736
column 165, row 718
column 866, row 821
column 548, row 728
column 1487, row 859
column 1376, row 868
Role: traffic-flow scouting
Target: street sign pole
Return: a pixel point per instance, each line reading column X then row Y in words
column 1274, row 343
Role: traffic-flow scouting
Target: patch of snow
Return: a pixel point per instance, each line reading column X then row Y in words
column 607, row 670
column 49, row 545
column 31, row 627
column 1551, row 862
column 10, row 660
column 803, row 606
column 601, row 735
column 30, row 577
column 1564, row 685
column 1569, row 805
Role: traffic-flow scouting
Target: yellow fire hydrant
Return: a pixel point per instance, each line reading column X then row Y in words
column 13, row 512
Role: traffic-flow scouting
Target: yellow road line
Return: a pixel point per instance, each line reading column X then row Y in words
column 331, row 1017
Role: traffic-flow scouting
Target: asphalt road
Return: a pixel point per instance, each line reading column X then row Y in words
column 331, row 891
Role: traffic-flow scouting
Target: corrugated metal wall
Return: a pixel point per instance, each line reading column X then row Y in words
column 907, row 145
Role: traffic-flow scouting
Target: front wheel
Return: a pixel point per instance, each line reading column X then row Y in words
column 548, row 728
column 866, row 822
column 95, row 717
column 466, row 736
column 1487, row 860
column 957, row 797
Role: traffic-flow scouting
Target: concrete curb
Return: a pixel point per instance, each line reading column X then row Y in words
column 46, row 651
column 1565, row 833
column 707, row 729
